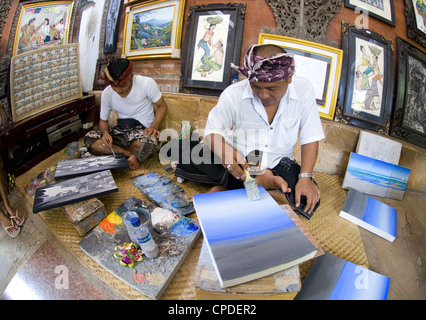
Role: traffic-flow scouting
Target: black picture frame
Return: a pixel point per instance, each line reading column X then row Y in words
column 213, row 81
column 413, row 30
column 367, row 105
column 382, row 10
column 111, row 26
column 408, row 122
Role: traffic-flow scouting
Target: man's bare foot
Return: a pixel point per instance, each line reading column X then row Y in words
column 217, row 189
column 269, row 181
column 133, row 162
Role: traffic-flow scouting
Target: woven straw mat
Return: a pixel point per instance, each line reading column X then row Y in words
column 335, row 235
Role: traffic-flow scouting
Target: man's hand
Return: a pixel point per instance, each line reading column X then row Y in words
column 107, row 139
column 152, row 132
column 307, row 188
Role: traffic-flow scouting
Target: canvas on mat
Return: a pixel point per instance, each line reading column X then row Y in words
column 333, row 278
column 370, row 214
column 74, row 190
column 82, row 166
column 246, row 239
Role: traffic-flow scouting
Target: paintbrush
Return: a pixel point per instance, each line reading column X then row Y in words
column 113, row 153
column 252, row 189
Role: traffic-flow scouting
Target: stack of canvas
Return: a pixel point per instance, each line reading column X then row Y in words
column 248, row 240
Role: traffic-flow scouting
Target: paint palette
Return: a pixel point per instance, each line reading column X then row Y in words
column 150, row 277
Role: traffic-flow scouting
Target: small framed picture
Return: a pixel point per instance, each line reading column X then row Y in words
column 42, row 24
column 212, row 41
column 367, row 83
column 382, row 10
column 415, row 13
column 409, row 122
column 316, row 62
column 153, row 29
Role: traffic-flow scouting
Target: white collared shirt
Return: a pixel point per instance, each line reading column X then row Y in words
column 241, row 119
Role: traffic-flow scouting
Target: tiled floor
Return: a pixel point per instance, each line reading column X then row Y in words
column 47, row 276
column 36, row 266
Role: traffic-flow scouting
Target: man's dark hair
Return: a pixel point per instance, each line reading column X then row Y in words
column 268, row 50
column 117, row 67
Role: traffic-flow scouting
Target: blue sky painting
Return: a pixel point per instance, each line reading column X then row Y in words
column 249, row 239
column 334, row 278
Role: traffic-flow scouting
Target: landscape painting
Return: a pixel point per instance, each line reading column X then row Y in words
column 74, row 190
column 153, row 29
column 375, row 177
column 82, row 166
column 247, row 239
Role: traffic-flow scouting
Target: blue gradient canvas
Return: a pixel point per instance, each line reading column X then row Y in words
column 249, row 239
column 333, row 278
column 376, row 177
column 370, row 214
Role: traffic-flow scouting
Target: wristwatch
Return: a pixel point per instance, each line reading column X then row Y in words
column 306, row 175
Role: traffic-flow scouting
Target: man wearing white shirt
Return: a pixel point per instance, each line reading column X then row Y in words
column 132, row 96
column 266, row 112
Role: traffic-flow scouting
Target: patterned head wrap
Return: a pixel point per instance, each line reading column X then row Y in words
column 125, row 77
column 274, row 68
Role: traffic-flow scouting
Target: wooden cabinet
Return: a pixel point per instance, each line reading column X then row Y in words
column 32, row 140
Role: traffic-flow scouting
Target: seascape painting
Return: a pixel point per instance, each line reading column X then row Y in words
column 248, row 240
column 74, row 190
column 82, row 166
column 375, row 177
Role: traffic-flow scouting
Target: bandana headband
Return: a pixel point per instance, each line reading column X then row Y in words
column 275, row 68
column 125, row 77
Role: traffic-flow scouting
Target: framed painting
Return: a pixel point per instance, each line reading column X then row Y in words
column 382, row 10
column 112, row 24
column 409, row 122
column 42, row 24
column 153, row 29
column 212, row 41
column 43, row 79
column 366, row 88
column 415, row 13
column 318, row 63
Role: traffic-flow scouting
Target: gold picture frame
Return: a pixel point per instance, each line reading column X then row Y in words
column 42, row 24
column 320, row 64
column 153, row 29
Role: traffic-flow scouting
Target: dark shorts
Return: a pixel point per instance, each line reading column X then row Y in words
column 215, row 174
column 124, row 138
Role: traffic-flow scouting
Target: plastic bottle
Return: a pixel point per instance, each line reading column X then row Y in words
column 234, row 80
column 128, row 216
column 144, row 238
